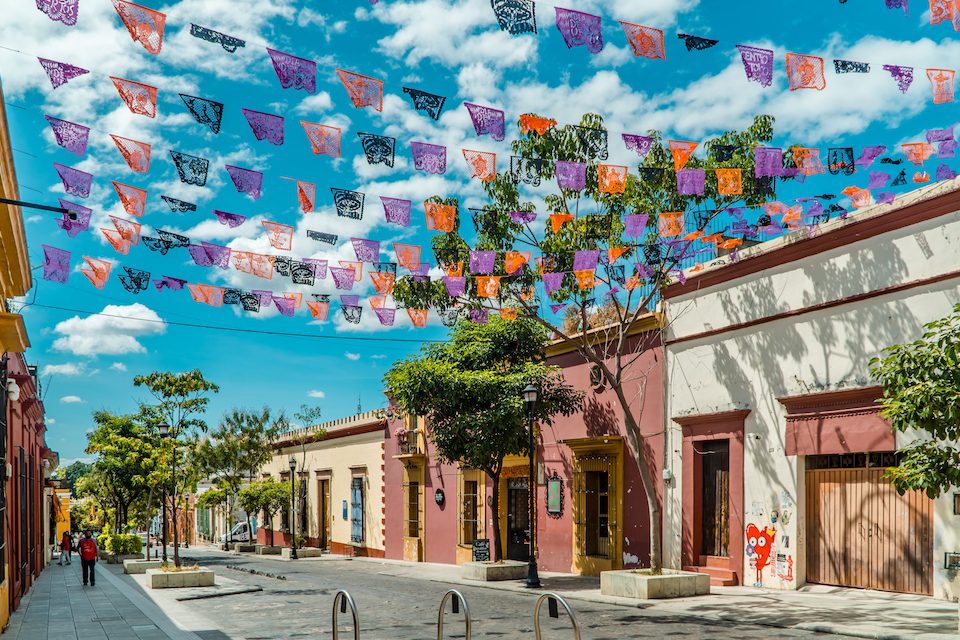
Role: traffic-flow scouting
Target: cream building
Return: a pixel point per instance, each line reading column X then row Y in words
column 339, row 480
column 776, row 451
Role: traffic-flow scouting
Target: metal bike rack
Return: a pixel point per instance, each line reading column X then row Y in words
column 343, row 599
column 552, row 600
column 457, row 599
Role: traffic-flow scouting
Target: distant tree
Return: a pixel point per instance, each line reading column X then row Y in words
column 267, row 496
column 233, row 453
column 469, row 390
column 72, row 472
column 921, row 390
column 180, row 400
column 119, row 477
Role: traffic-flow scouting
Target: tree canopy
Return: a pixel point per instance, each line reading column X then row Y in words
column 469, row 390
column 607, row 233
column 921, row 390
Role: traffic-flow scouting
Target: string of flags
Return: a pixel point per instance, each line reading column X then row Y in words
column 517, row 17
column 649, row 238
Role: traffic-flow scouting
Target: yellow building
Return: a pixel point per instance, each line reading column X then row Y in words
column 61, row 501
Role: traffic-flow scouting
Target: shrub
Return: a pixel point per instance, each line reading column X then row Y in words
column 120, row 544
column 105, row 542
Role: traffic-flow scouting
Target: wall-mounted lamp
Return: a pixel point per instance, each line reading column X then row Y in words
column 13, row 390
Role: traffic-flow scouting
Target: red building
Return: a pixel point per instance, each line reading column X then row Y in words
column 28, row 466
column 27, row 460
column 591, row 511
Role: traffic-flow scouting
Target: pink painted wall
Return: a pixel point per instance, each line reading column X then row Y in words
column 601, row 415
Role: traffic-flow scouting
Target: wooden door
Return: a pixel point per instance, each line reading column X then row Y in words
column 518, row 520
column 862, row 533
column 324, row 506
column 715, row 497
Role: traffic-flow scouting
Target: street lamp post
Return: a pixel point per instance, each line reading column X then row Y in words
column 293, row 508
column 530, row 402
column 164, row 429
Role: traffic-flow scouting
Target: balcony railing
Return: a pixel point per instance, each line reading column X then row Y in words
column 409, row 443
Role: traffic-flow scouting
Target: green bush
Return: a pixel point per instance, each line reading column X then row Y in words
column 121, row 544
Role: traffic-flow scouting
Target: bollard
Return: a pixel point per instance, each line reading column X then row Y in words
column 457, row 600
column 343, row 599
column 552, row 600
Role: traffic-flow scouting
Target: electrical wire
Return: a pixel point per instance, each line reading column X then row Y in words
column 196, row 325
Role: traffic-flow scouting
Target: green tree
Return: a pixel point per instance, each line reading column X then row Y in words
column 267, row 496
column 234, row 452
column 921, row 390
column 469, row 389
column 119, row 476
column 180, row 401
column 73, row 472
column 596, row 223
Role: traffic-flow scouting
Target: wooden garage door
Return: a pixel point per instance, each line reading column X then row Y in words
column 862, row 533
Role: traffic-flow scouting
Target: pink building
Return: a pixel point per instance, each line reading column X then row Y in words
column 591, row 511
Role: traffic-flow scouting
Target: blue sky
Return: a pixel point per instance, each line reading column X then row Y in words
column 453, row 49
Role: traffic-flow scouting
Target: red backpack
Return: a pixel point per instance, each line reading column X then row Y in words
column 88, row 549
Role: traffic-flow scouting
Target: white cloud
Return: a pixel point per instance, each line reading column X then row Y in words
column 49, row 421
column 378, row 356
column 316, row 393
column 66, row 369
column 352, row 356
column 116, row 332
column 449, row 33
column 71, row 400
column 118, row 366
column 310, row 18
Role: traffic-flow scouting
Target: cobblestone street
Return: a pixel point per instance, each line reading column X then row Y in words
column 392, row 607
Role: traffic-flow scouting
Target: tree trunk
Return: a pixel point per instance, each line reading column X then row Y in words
column 497, row 546
column 147, row 524
column 271, row 529
column 646, row 476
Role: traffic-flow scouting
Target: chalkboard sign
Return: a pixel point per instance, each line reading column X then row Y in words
column 481, row 550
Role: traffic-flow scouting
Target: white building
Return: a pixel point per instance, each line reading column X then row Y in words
column 774, row 441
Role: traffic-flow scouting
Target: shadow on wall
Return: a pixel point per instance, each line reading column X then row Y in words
column 812, row 353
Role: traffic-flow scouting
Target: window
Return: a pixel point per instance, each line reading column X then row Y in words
column 356, row 509
column 470, row 511
column 413, row 510
column 597, row 514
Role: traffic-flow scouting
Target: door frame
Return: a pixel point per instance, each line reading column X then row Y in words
column 725, row 425
column 514, row 466
column 324, row 521
column 606, row 446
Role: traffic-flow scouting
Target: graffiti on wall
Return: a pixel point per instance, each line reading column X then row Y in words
column 759, row 546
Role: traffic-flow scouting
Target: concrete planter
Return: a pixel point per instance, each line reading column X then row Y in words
column 140, row 566
column 243, row 547
column 304, row 552
column 115, row 559
column 642, row 585
column 268, row 550
column 494, row 571
column 102, row 555
column 159, row 579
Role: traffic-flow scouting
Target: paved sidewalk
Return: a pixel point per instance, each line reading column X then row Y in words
column 60, row 607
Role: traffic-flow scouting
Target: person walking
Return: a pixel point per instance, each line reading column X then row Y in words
column 66, row 546
column 88, row 556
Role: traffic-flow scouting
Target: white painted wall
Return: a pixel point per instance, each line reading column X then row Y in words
column 815, row 352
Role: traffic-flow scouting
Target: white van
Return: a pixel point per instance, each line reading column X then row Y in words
column 239, row 533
